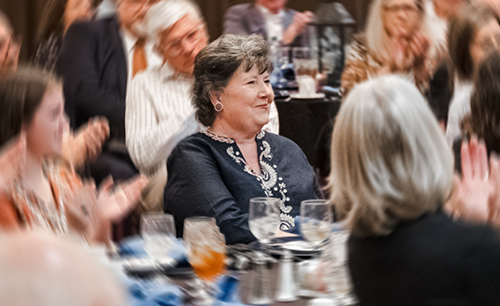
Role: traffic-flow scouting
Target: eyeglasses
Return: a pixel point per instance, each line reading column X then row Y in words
column 191, row 38
column 406, row 8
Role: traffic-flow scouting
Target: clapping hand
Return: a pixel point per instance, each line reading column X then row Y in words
column 473, row 191
column 115, row 205
column 12, row 159
column 87, row 142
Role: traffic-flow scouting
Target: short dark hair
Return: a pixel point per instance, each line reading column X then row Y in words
column 21, row 93
column 462, row 30
column 215, row 65
column 484, row 119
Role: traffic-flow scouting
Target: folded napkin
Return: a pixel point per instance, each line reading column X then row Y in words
column 152, row 293
column 336, row 227
column 134, row 247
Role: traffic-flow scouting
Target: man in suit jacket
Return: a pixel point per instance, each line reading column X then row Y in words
column 97, row 61
column 270, row 19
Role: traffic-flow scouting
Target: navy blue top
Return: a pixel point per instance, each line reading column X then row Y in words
column 428, row 261
column 208, row 176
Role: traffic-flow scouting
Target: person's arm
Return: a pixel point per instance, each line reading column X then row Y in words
column 83, row 90
column 149, row 142
column 195, row 188
column 298, row 26
column 234, row 21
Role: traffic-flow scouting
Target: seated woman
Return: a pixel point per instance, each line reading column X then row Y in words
column 216, row 172
column 474, row 32
column 390, row 186
column 46, row 194
column 397, row 39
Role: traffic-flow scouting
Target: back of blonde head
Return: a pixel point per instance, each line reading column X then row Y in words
column 389, row 158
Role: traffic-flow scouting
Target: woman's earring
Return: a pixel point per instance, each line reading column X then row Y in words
column 218, row 107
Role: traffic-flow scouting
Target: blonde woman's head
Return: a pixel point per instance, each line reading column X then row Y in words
column 390, row 160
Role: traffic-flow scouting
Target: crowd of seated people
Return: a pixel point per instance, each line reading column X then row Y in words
column 190, row 128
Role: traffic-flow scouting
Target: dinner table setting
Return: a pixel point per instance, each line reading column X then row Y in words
column 304, row 266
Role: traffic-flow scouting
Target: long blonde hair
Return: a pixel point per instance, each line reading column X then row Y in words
column 390, row 161
column 376, row 35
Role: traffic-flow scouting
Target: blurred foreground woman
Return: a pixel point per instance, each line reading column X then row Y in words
column 47, row 195
column 391, row 173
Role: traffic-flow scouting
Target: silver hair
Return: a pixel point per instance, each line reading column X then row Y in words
column 216, row 64
column 389, row 158
column 165, row 14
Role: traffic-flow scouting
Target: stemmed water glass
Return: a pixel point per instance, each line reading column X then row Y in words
column 315, row 220
column 263, row 219
column 158, row 233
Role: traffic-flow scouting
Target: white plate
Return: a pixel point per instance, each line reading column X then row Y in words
column 318, row 95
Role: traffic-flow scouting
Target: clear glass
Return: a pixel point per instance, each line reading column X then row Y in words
column 158, row 233
column 306, row 68
column 206, row 247
column 315, row 220
column 264, row 218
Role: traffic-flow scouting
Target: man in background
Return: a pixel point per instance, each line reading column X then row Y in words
column 271, row 19
column 98, row 59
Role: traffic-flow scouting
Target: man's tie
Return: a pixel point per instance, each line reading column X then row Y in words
column 139, row 59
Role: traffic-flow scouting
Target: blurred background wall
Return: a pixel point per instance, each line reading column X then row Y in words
column 25, row 15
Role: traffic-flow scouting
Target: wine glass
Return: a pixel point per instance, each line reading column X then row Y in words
column 206, row 249
column 158, row 233
column 264, row 218
column 315, row 220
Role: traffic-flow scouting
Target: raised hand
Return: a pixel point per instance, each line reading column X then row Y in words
column 471, row 199
column 300, row 21
column 12, row 159
column 86, row 143
column 81, row 206
column 114, row 206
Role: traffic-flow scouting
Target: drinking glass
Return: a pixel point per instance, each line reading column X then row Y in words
column 264, row 218
column 206, row 247
column 306, row 68
column 315, row 220
column 158, row 233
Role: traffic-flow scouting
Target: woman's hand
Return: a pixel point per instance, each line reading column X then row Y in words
column 80, row 208
column 472, row 195
column 86, row 143
column 419, row 46
column 12, row 159
column 114, row 206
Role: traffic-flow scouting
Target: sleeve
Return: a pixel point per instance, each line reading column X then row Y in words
column 8, row 214
column 355, row 68
column 150, row 142
column 195, row 188
column 273, row 126
column 77, row 64
column 234, row 22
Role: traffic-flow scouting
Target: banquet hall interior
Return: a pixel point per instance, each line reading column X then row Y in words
column 249, row 152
